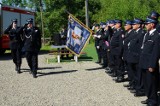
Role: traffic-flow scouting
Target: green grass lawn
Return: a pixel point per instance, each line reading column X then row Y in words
column 90, row 51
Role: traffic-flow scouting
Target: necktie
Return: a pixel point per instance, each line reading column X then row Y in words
column 146, row 37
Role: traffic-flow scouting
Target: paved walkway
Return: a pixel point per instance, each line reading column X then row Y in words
column 63, row 84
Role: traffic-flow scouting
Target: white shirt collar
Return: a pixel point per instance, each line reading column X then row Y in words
column 137, row 29
column 129, row 30
column 151, row 31
column 118, row 29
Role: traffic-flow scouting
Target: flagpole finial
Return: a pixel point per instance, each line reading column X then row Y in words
column 67, row 11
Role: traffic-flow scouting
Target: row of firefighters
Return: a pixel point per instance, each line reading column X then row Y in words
column 134, row 52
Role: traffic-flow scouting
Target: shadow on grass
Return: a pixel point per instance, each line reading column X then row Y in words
column 85, row 58
column 60, row 72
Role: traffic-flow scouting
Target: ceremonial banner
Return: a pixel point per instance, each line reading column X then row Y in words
column 77, row 36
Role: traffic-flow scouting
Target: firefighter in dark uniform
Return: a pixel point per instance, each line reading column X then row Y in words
column 129, row 34
column 63, row 35
column 32, row 45
column 96, row 36
column 134, row 50
column 103, row 38
column 15, row 35
column 116, row 44
column 155, row 16
column 149, row 61
column 110, row 31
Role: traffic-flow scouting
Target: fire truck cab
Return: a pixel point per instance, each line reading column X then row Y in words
column 7, row 13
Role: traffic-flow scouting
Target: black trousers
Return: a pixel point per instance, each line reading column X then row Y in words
column 111, row 60
column 132, row 71
column 140, row 83
column 16, row 56
column 126, row 69
column 104, row 56
column 117, row 65
column 151, row 85
column 32, row 60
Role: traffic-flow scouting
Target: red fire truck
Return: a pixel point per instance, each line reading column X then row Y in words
column 7, row 13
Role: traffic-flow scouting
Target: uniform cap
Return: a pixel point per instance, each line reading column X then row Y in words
column 111, row 22
column 128, row 22
column 30, row 20
column 137, row 21
column 150, row 20
column 154, row 14
column 14, row 20
column 97, row 25
column 117, row 21
column 102, row 23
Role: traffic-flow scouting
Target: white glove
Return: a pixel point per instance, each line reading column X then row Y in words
column 98, row 36
column 95, row 35
column 128, row 44
column 97, row 47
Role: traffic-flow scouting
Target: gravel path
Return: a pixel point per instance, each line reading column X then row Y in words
column 64, row 84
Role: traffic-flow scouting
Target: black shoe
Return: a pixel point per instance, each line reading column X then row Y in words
column 113, row 74
column 34, row 75
column 19, row 70
column 138, row 94
column 126, row 85
column 108, row 71
column 107, row 68
column 130, row 88
column 104, row 66
column 118, row 80
column 144, row 102
column 133, row 91
column 126, row 79
column 114, row 79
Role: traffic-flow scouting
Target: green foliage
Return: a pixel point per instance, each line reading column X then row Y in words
column 126, row 9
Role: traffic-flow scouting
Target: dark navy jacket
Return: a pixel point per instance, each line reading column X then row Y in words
column 134, row 46
column 15, row 37
column 97, row 40
column 103, row 39
column 116, row 42
column 128, row 37
column 32, row 39
column 150, row 51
